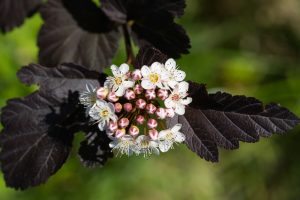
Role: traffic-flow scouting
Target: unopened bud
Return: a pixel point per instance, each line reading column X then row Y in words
column 128, row 107
column 170, row 112
column 129, row 95
column 150, row 94
column 123, row 123
column 120, row 133
column 152, row 123
column 138, row 89
column 161, row 113
column 150, row 108
column 140, row 103
column 118, row 107
column 134, row 130
column 112, row 97
column 136, row 75
column 140, row 119
column 102, row 92
column 153, row 133
column 113, row 126
column 162, row 94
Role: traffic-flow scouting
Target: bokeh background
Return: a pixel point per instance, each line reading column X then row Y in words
column 249, row 47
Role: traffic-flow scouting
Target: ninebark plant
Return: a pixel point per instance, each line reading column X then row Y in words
column 142, row 112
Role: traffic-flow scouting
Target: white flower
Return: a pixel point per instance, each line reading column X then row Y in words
column 178, row 98
column 88, row 98
column 153, row 76
column 119, row 82
column 146, row 146
column 174, row 75
column 124, row 145
column 168, row 137
column 103, row 112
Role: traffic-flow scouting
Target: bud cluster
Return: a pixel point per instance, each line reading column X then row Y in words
column 132, row 106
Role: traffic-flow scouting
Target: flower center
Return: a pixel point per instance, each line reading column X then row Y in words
column 104, row 113
column 175, row 97
column 118, row 81
column 169, row 136
column 154, row 77
column 144, row 144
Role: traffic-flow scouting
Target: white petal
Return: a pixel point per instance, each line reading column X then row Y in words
column 153, row 144
column 186, row 101
column 111, row 107
column 160, row 85
column 172, row 83
column 155, row 151
column 146, row 84
column 179, row 137
column 179, row 75
column 156, row 67
column 170, row 64
column 183, row 87
column 115, row 70
column 176, row 128
column 128, row 84
column 145, row 71
column 120, row 91
column 101, row 125
column 94, row 113
column 180, row 109
column 169, row 103
column 162, row 134
column 124, row 68
column 164, row 146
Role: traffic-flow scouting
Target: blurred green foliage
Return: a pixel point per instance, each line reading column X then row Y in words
column 242, row 47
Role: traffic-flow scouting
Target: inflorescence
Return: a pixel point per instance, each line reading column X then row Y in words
column 132, row 107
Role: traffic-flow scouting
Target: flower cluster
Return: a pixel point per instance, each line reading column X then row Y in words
column 132, row 106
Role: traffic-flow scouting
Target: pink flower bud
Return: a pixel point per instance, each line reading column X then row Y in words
column 113, row 126
column 161, row 113
column 140, row 103
column 129, row 95
column 150, row 94
column 162, row 94
column 134, row 130
column 140, row 119
column 102, row 93
column 138, row 89
column 124, row 122
column 118, row 107
column 150, row 108
column 152, row 123
column 136, row 75
column 112, row 97
column 128, row 107
column 120, row 133
column 170, row 112
column 153, row 133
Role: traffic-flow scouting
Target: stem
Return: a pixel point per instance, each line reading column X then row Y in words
column 129, row 51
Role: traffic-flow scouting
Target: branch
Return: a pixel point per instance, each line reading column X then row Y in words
column 129, row 51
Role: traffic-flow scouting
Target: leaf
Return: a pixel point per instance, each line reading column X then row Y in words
column 152, row 23
column 76, row 31
column 14, row 12
column 123, row 10
column 222, row 120
column 94, row 150
column 148, row 55
column 38, row 129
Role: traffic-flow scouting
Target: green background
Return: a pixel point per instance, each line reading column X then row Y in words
column 241, row 47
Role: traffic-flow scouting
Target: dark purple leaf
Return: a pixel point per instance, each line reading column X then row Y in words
column 14, row 12
column 38, row 129
column 76, row 31
column 125, row 10
column 148, row 55
column 222, row 120
column 94, row 150
column 152, row 23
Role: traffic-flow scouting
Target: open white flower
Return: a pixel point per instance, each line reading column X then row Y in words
column 119, row 82
column 103, row 112
column 124, row 145
column 153, row 76
column 178, row 98
column 168, row 137
column 174, row 75
column 146, row 145
column 89, row 97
